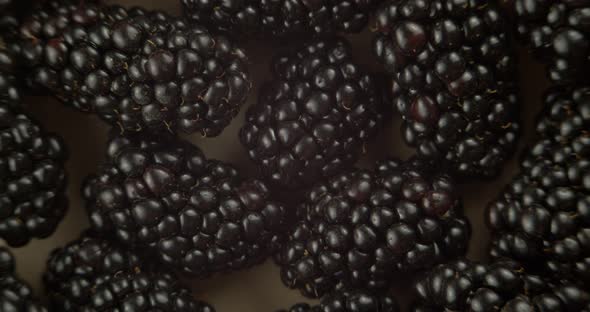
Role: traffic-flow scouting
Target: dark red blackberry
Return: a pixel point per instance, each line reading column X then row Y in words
column 15, row 294
column 260, row 18
column 312, row 120
column 503, row 285
column 558, row 33
column 454, row 81
column 32, row 175
column 542, row 219
column 350, row 301
column 138, row 69
column 92, row 274
column 361, row 228
column 196, row 215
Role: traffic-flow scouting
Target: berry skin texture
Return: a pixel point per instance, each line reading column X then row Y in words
column 194, row 214
column 557, row 32
column 502, row 285
column 9, row 90
column 362, row 228
column 350, row 301
column 92, row 274
column 312, row 120
column 542, row 218
column 138, row 70
column 15, row 294
column 454, row 81
column 32, row 191
column 256, row 18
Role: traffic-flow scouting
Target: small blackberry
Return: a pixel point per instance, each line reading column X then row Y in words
column 350, row 301
column 557, row 33
column 15, row 294
column 197, row 215
column 542, row 219
column 138, row 69
column 454, row 81
column 503, row 285
column 255, row 18
column 361, row 228
column 92, row 274
column 312, row 120
column 33, row 180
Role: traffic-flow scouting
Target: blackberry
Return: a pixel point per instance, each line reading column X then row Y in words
column 9, row 85
column 312, row 120
column 350, row 301
column 92, row 274
column 139, row 70
column 195, row 214
column 558, row 33
column 361, row 228
column 503, row 285
column 15, row 294
column 542, row 219
column 454, row 81
column 33, row 180
column 255, row 18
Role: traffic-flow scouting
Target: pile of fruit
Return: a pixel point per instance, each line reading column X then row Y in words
column 340, row 230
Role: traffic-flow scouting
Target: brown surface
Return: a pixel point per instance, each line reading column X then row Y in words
column 258, row 289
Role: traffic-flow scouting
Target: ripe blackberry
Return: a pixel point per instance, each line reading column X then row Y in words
column 454, row 81
column 503, row 285
column 557, row 33
column 542, row 219
column 196, row 215
column 361, row 228
column 350, row 301
column 15, row 294
column 255, row 18
column 9, row 89
column 138, row 69
column 32, row 175
column 312, row 120
column 92, row 274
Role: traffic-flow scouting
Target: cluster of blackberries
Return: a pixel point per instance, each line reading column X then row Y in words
column 159, row 208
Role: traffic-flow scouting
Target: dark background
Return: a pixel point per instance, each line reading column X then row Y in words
column 258, row 289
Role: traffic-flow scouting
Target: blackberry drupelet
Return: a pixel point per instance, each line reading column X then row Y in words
column 255, row 18
column 140, row 70
column 558, row 33
column 196, row 215
column 542, row 219
column 454, row 81
column 92, row 274
column 350, row 301
column 503, row 285
column 361, row 228
column 33, row 180
column 312, row 120
column 15, row 294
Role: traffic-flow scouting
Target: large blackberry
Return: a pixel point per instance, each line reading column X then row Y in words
column 350, row 301
column 15, row 294
column 139, row 70
column 559, row 34
column 361, row 228
column 454, row 81
column 542, row 219
column 32, row 175
column 92, row 274
column 197, row 215
column 255, row 18
column 312, row 120
column 503, row 285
